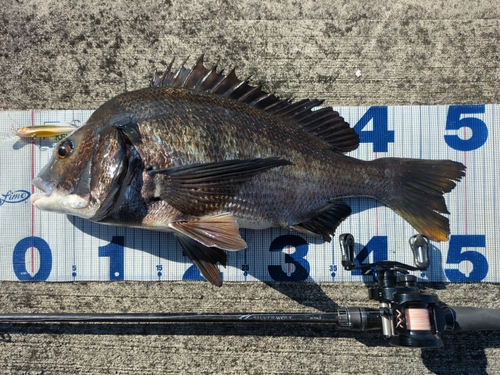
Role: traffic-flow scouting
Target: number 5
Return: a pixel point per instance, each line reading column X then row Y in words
column 477, row 126
column 457, row 256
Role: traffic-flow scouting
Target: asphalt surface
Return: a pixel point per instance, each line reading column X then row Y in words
column 75, row 55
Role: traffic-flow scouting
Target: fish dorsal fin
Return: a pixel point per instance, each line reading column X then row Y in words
column 324, row 123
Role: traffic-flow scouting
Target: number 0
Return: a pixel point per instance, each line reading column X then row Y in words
column 19, row 259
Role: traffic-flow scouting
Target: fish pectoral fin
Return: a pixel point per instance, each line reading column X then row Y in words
column 220, row 231
column 325, row 222
column 198, row 189
column 205, row 258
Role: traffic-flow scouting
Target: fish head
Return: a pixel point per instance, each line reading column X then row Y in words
column 84, row 173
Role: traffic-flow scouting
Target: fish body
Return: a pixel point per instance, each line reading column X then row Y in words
column 201, row 154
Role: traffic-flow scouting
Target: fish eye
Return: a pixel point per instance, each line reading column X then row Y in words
column 64, row 149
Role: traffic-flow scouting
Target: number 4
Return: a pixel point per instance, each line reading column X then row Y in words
column 380, row 136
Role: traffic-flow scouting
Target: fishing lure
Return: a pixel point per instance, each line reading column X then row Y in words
column 45, row 131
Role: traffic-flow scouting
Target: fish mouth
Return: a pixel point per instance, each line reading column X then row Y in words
column 53, row 200
column 45, row 186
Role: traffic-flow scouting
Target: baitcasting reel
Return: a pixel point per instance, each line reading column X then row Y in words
column 409, row 317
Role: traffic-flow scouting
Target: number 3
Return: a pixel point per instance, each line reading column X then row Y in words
column 296, row 258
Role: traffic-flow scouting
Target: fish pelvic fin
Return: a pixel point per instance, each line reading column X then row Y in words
column 221, row 231
column 324, row 222
column 204, row 257
column 203, row 241
column 418, row 192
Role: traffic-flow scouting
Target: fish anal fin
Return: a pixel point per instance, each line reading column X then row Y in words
column 199, row 189
column 205, row 258
column 219, row 231
column 324, row 222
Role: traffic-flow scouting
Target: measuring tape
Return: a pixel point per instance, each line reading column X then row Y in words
column 38, row 245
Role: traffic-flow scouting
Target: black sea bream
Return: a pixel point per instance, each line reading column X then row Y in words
column 201, row 155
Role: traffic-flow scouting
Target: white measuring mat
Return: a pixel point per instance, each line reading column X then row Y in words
column 37, row 245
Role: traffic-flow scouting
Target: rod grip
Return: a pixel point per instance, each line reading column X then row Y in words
column 476, row 319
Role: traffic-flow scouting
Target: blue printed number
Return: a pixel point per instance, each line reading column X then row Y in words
column 296, row 258
column 380, row 136
column 19, row 259
column 457, row 256
column 115, row 252
column 477, row 126
column 159, row 270
column 378, row 246
column 193, row 274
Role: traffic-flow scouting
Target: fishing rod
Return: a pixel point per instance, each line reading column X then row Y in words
column 407, row 316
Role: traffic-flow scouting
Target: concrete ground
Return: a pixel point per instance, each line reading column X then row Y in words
column 67, row 54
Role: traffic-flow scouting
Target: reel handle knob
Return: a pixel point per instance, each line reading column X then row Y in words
column 420, row 247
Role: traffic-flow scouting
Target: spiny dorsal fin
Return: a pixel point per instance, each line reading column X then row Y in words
column 324, row 123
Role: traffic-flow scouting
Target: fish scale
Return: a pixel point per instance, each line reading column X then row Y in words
column 200, row 143
column 201, row 154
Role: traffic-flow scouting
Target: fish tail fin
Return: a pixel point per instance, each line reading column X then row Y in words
column 417, row 193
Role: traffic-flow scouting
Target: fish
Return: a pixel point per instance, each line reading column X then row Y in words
column 203, row 154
